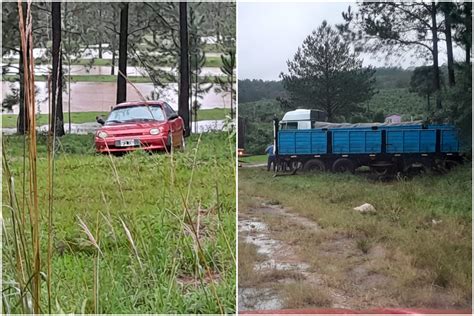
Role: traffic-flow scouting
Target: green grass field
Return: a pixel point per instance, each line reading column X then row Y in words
column 9, row 120
column 423, row 228
column 254, row 159
column 151, row 257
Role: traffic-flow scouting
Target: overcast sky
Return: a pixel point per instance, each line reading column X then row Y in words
column 270, row 33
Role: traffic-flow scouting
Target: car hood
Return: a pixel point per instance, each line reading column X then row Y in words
column 121, row 128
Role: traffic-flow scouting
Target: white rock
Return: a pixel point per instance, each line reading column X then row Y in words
column 365, row 208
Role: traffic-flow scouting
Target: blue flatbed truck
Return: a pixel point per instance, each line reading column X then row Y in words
column 302, row 142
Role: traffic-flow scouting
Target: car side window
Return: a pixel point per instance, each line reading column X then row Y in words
column 168, row 110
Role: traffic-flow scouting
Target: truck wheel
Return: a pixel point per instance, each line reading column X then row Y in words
column 294, row 165
column 415, row 168
column 343, row 165
column 314, row 165
column 450, row 164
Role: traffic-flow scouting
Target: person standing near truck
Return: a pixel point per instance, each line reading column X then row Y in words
column 271, row 157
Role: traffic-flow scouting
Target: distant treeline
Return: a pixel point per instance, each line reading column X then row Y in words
column 386, row 78
column 254, row 90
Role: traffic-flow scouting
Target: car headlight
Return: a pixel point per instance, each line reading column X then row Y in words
column 102, row 134
column 154, row 131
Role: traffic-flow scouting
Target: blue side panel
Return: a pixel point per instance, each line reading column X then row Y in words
column 286, row 142
column 356, row 141
column 411, row 141
column 373, row 142
column 302, row 143
column 299, row 142
column 449, row 141
column 340, row 141
column 427, row 141
column 319, row 142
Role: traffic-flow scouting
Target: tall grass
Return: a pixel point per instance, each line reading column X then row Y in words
column 175, row 275
column 141, row 233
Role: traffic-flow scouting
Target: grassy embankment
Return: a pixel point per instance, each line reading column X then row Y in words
column 147, row 258
column 420, row 235
column 9, row 120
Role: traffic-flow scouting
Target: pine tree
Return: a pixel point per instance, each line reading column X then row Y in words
column 325, row 74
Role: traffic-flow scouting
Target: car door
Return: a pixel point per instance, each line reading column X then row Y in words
column 175, row 124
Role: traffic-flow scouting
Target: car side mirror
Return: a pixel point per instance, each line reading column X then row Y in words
column 100, row 120
column 173, row 116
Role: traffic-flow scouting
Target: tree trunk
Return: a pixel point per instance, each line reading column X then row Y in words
column 231, row 96
column 100, row 50
column 121, row 82
column 449, row 43
column 112, row 69
column 57, row 122
column 22, row 122
column 100, row 36
column 468, row 25
column 434, row 31
column 183, row 99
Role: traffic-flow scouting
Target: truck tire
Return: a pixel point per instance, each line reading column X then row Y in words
column 343, row 165
column 415, row 168
column 314, row 165
column 450, row 164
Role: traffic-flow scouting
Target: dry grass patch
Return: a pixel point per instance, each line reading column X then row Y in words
column 276, row 275
column 248, row 257
column 303, row 295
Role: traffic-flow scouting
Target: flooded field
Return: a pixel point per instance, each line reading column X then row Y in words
column 88, row 128
column 95, row 96
column 106, row 70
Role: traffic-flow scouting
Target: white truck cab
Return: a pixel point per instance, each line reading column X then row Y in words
column 301, row 119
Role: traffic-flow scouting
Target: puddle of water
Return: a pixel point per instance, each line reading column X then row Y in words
column 265, row 245
column 259, row 299
column 274, row 265
column 251, row 225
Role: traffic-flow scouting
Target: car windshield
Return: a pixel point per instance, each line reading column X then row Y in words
column 136, row 113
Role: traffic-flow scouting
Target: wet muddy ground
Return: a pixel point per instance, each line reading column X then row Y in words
column 329, row 268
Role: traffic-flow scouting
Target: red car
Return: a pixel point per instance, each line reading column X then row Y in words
column 151, row 125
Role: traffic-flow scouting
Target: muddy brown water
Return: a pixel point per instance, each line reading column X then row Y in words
column 100, row 96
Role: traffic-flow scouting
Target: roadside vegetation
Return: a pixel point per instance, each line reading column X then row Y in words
column 134, row 234
column 415, row 250
column 10, row 120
